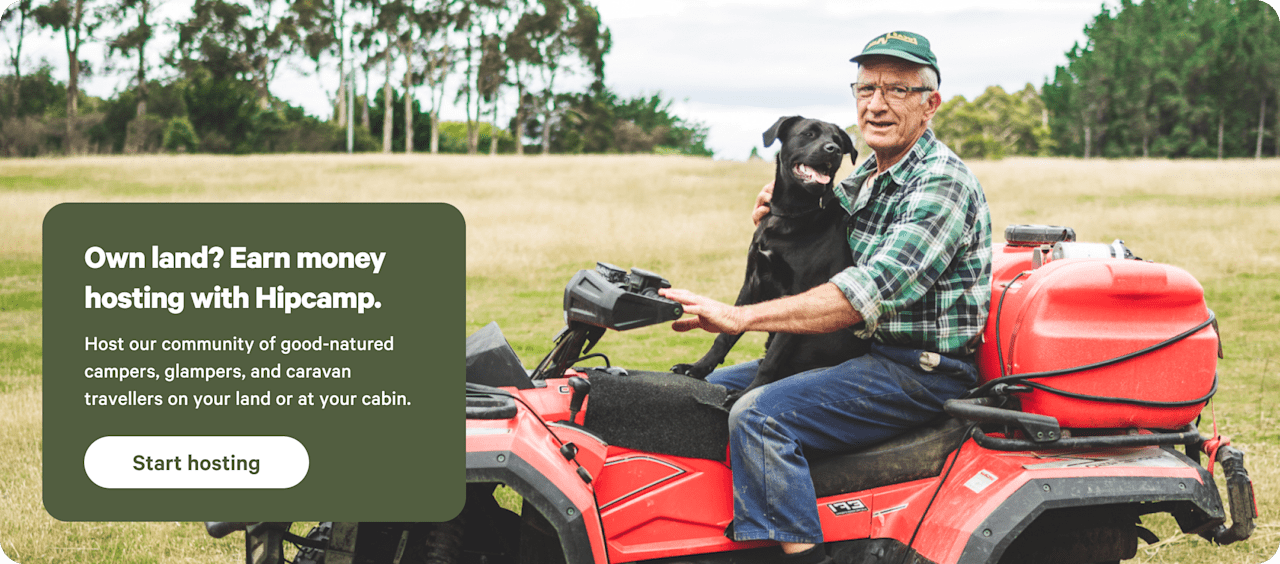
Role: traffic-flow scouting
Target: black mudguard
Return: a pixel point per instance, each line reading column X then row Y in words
column 1196, row 506
column 536, row 489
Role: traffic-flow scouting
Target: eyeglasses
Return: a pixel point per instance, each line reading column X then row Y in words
column 892, row 92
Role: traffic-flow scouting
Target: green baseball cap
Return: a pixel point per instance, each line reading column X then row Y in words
column 903, row 45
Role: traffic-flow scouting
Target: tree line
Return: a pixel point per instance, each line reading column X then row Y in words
column 1171, row 78
column 505, row 62
column 1160, row 78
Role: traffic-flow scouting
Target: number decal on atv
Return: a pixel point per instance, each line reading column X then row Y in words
column 846, row 507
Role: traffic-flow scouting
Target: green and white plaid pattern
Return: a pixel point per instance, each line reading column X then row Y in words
column 921, row 242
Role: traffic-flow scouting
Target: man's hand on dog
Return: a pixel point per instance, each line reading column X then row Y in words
column 762, row 203
column 711, row 315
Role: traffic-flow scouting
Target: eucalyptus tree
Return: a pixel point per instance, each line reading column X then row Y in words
column 134, row 37
column 16, row 16
column 475, row 20
column 499, row 28
column 407, row 43
column 241, row 41
column 388, row 16
column 439, row 23
column 68, row 17
column 525, row 53
column 489, row 79
column 557, row 35
column 322, row 35
column 377, row 38
column 424, row 42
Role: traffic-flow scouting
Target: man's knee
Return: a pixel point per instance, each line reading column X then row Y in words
column 744, row 410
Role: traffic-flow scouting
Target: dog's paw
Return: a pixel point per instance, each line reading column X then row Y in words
column 732, row 397
column 690, row 370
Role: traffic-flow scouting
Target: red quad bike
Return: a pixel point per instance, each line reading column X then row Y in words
column 1094, row 367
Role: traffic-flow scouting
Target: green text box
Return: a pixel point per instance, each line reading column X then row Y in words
column 108, row 284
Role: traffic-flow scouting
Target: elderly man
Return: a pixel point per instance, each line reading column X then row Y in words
column 919, row 289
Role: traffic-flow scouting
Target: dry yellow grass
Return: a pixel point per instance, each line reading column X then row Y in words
column 531, row 222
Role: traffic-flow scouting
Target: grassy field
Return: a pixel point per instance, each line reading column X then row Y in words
column 533, row 222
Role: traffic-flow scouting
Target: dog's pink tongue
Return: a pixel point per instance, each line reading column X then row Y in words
column 812, row 175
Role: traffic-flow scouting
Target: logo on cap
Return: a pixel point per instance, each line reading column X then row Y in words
column 884, row 39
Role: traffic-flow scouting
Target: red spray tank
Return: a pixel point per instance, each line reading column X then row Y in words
column 1069, row 317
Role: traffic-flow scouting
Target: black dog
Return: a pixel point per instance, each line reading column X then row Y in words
column 798, row 245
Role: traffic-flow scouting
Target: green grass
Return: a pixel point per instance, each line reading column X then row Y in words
column 79, row 179
column 533, row 222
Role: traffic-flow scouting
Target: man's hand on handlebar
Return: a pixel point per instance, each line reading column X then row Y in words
column 710, row 315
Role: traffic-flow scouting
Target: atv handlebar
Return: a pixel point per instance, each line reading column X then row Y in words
column 611, row 298
column 605, row 298
column 219, row 529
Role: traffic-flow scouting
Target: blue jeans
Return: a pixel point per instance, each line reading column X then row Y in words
column 838, row 409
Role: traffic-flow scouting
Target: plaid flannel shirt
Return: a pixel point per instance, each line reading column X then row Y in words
column 921, row 241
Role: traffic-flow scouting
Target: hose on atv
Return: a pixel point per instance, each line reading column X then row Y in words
column 955, row 457
column 1244, row 507
column 1026, row 378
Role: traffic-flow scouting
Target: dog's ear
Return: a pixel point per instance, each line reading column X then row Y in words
column 779, row 129
column 846, row 145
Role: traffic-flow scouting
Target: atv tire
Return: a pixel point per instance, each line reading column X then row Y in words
column 1089, row 535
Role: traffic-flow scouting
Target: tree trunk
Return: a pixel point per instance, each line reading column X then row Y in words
column 145, row 8
column 408, row 98
column 342, row 93
column 73, row 78
column 1088, row 139
column 473, row 137
column 73, row 96
column 343, row 85
column 519, row 132
column 435, row 132
column 1262, row 124
column 493, row 130
column 351, row 110
column 546, row 133
column 473, row 133
column 1146, row 144
column 17, row 58
column 1221, row 124
column 364, row 102
column 386, row 106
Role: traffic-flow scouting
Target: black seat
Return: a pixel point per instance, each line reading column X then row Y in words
column 914, row 455
column 658, row 412
column 667, row 413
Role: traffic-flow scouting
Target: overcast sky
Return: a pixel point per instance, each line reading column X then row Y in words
column 737, row 65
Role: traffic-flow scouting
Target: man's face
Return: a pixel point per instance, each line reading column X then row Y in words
column 891, row 127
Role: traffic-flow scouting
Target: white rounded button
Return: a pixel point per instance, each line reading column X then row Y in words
column 120, row 462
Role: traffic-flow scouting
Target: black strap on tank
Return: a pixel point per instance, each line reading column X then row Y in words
column 1025, row 379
